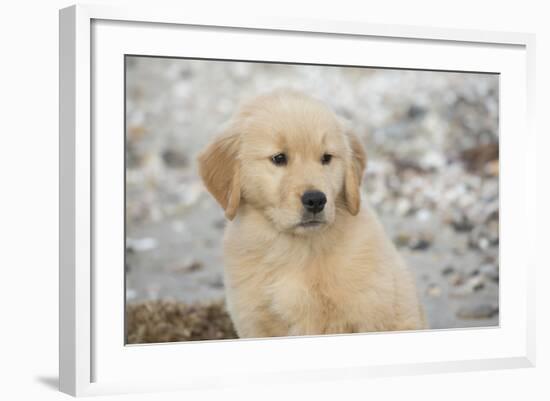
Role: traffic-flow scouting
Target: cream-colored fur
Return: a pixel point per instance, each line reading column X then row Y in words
column 283, row 278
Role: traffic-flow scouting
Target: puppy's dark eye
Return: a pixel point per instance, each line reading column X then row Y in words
column 279, row 159
column 326, row 158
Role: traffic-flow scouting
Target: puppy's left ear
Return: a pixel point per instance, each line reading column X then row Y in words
column 354, row 174
column 219, row 169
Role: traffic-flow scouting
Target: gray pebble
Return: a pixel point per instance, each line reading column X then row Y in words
column 174, row 159
column 420, row 244
column 448, row 270
column 433, row 290
column 490, row 271
column 219, row 224
column 481, row 311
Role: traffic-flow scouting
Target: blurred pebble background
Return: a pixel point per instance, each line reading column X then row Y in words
column 432, row 175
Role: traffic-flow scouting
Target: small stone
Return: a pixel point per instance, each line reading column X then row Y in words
column 477, row 157
column 130, row 294
column 141, row 244
column 179, row 226
column 416, row 111
column 482, row 311
column 448, row 270
column 219, row 224
column 182, row 89
column 419, row 244
column 473, row 284
column 189, row 194
column 402, row 239
column 136, row 132
column 483, row 243
column 460, row 248
column 402, row 207
column 433, row 290
column 432, row 161
column 423, row 215
column 460, row 292
column 476, row 283
column 195, row 266
column 174, row 159
column 186, row 267
column 208, row 243
column 462, row 224
column 479, row 286
column 478, row 239
column 216, row 282
column 456, row 279
column 490, row 271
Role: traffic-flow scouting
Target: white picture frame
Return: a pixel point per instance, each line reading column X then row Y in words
column 93, row 356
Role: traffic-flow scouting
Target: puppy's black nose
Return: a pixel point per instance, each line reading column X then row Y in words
column 314, row 201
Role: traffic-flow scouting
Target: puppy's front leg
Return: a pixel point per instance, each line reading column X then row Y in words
column 259, row 323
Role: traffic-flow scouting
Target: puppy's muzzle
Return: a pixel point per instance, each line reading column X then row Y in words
column 314, row 201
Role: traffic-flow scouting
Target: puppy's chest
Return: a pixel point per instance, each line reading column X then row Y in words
column 313, row 295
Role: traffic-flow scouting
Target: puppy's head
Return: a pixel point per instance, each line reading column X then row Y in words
column 289, row 157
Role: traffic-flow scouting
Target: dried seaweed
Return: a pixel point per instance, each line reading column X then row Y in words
column 170, row 321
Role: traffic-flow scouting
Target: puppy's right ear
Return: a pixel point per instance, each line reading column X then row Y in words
column 219, row 168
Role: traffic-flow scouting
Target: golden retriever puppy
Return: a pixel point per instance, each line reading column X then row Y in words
column 303, row 256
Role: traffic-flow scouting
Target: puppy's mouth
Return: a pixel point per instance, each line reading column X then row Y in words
column 311, row 223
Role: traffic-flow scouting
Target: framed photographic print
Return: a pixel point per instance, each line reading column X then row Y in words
column 269, row 201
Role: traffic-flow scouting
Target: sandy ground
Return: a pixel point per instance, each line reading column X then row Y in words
column 432, row 174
